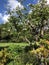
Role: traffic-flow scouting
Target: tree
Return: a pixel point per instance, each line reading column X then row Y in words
column 39, row 17
column 19, row 22
column 29, row 25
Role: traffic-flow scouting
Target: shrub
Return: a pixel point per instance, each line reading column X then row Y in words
column 46, row 36
column 5, row 57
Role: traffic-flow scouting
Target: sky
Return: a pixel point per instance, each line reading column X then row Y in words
column 4, row 4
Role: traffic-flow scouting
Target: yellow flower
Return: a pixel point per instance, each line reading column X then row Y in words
column 38, row 50
column 33, row 51
column 37, row 43
column 48, row 47
column 1, row 54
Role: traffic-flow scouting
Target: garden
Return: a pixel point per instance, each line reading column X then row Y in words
column 24, row 39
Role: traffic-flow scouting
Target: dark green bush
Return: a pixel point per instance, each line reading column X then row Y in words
column 46, row 36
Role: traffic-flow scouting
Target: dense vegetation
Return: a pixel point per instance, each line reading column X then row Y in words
column 16, row 54
column 27, row 27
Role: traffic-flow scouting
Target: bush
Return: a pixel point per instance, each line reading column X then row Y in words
column 46, row 36
column 44, row 43
column 5, row 57
column 38, row 55
column 34, row 54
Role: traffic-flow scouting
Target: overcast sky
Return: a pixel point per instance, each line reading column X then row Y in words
column 13, row 4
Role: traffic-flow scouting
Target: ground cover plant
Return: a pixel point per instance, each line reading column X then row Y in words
column 34, row 54
column 10, row 52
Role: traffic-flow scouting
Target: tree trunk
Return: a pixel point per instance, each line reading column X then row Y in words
column 41, row 32
column 27, row 40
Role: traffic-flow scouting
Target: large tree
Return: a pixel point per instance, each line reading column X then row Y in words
column 32, row 24
column 19, row 22
column 39, row 17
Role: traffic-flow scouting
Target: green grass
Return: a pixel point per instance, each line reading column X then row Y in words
column 12, row 44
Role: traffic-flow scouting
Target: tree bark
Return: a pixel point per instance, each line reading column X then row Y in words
column 41, row 32
column 27, row 40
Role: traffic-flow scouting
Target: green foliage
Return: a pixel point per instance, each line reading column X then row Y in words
column 34, row 54
column 24, row 26
column 38, row 56
column 46, row 36
column 44, row 43
column 5, row 57
column 11, row 54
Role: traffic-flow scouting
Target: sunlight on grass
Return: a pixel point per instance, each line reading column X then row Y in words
column 12, row 44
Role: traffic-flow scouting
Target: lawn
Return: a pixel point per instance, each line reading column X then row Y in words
column 12, row 44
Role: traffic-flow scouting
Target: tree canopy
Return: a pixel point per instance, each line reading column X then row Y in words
column 24, row 26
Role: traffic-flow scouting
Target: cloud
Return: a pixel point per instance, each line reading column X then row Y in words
column 4, row 17
column 30, row 11
column 13, row 4
column 47, row 1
